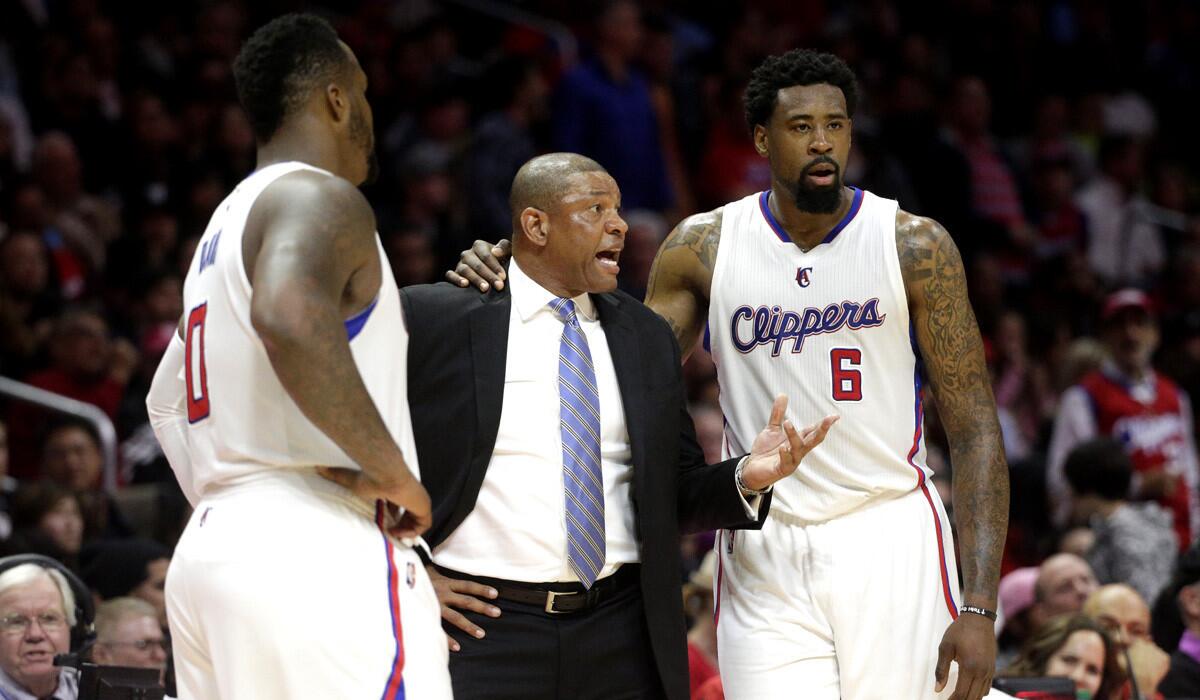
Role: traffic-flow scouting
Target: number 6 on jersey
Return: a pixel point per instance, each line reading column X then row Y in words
column 194, row 371
column 847, row 383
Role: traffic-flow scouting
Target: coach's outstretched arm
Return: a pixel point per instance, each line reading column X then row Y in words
column 948, row 337
column 318, row 238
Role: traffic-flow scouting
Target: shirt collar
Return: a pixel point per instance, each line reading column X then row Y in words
column 531, row 298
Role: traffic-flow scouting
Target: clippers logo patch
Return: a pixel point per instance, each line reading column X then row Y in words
column 802, row 276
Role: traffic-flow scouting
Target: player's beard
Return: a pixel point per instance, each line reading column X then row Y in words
column 361, row 136
column 819, row 200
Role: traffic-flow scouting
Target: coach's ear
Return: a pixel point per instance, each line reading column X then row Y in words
column 535, row 226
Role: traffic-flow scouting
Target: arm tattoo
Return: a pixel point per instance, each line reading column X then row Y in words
column 681, row 278
column 952, row 349
column 700, row 234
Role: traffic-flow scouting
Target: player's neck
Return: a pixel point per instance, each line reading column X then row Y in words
column 805, row 228
column 295, row 145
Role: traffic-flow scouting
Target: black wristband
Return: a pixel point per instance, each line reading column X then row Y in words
column 989, row 614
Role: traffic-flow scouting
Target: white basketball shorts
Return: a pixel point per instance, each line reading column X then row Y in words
column 285, row 587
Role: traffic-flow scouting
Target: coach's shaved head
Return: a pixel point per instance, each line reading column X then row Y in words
column 567, row 226
column 541, row 182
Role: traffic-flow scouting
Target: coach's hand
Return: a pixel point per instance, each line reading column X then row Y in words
column 401, row 490
column 465, row 595
column 482, row 265
column 778, row 449
column 971, row 641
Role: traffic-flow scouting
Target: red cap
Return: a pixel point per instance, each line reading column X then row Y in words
column 1126, row 299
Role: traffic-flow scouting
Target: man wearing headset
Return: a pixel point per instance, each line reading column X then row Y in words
column 37, row 613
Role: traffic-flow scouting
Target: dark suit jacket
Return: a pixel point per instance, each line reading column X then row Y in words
column 456, row 359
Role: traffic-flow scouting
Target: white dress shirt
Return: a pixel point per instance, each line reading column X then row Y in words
column 517, row 530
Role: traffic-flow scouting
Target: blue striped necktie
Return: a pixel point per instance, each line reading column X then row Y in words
column 579, row 423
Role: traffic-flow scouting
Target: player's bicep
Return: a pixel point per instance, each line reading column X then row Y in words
column 946, row 330
column 672, row 296
column 312, row 244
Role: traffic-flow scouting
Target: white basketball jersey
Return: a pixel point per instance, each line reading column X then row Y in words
column 242, row 420
column 829, row 328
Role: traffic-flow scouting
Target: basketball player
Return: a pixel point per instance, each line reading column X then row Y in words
column 838, row 298
column 282, row 409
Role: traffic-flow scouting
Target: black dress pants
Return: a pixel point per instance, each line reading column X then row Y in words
column 527, row 654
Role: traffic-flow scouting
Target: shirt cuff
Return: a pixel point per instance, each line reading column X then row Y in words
column 749, row 504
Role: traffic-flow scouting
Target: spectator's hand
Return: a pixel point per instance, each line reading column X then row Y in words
column 465, row 595
column 482, row 265
column 1158, row 485
column 778, row 449
column 1150, row 664
column 402, row 490
column 971, row 641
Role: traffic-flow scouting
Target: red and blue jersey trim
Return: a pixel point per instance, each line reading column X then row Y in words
column 765, row 207
column 394, row 689
column 918, row 434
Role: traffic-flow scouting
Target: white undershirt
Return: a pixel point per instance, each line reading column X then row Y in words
column 516, row 530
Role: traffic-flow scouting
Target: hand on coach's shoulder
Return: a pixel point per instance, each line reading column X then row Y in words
column 482, row 265
column 779, row 448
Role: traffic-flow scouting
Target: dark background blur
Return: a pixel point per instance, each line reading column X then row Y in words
column 1055, row 140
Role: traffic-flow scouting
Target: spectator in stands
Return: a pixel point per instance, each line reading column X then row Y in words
column 603, row 110
column 1128, row 400
column 46, row 520
column 82, row 224
column 995, row 199
column 1064, row 582
column 1075, row 647
column 1016, row 596
column 27, row 301
column 1024, row 396
column 71, row 458
column 86, row 365
column 702, row 636
column 1124, row 614
column 1183, row 677
column 503, row 139
column 37, row 612
column 1134, row 542
column 128, row 634
column 130, row 567
column 1125, row 245
column 410, row 251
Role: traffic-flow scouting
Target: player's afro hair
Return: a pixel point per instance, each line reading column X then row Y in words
column 796, row 67
column 280, row 64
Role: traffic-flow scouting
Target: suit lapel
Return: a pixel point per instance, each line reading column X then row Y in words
column 627, row 362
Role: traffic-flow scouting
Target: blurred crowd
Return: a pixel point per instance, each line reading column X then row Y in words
column 1052, row 138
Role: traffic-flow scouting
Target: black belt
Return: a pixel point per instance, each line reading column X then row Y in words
column 558, row 598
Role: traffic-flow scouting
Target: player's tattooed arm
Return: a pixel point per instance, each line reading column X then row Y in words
column 948, row 336
column 681, row 278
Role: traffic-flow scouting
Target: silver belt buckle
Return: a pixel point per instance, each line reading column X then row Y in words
column 550, row 596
